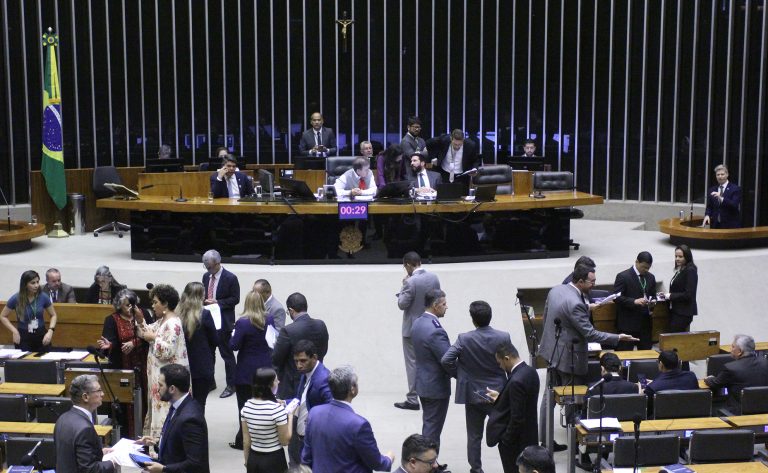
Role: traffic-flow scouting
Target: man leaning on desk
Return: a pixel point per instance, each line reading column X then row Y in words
column 227, row 182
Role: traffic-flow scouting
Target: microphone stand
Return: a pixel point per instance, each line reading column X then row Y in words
column 8, row 208
column 115, row 405
column 596, row 465
column 181, row 193
column 635, row 466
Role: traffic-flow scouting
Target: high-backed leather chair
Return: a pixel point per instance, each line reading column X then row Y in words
column 652, row 450
column 335, row 166
column 500, row 175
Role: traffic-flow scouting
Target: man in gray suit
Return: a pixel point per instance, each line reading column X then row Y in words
column 472, row 361
column 274, row 307
column 57, row 290
column 78, row 447
column 433, row 383
column 567, row 331
column 410, row 300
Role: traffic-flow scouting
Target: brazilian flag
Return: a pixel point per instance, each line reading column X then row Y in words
column 53, row 158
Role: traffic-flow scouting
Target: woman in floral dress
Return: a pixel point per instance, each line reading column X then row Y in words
column 166, row 346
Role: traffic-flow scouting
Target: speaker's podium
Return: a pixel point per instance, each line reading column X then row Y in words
column 123, row 384
column 691, row 345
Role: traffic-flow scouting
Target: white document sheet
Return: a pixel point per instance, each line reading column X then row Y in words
column 215, row 314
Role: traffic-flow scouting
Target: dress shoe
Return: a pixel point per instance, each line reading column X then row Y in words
column 411, row 406
column 235, row 446
column 556, row 447
column 228, row 391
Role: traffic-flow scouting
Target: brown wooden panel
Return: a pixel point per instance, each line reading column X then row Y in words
column 78, row 181
column 313, row 177
column 692, row 345
column 166, row 184
column 121, row 381
column 77, row 325
column 20, row 231
column 691, row 228
column 522, row 182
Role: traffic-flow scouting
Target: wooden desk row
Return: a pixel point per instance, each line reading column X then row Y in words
column 564, row 393
column 40, row 428
column 77, row 325
column 743, row 467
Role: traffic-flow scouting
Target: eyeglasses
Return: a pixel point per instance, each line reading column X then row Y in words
column 96, row 391
column 427, row 462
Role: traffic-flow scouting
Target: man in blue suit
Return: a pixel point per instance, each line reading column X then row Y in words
column 433, row 383
column 723, row 202
column 313, row 391
column 227, row 182
column 222, row 288
column 472, row 361
column 338, row 439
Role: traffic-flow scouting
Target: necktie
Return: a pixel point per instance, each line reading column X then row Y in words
column 165, row 427
column 319, row 139
column 211, row 286
column 53, row 296
column 421, row 180
column 721, row 190
column 302, row 386
column 453, row 165
column 362, row 184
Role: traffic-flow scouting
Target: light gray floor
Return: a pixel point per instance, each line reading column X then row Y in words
column 358, row 304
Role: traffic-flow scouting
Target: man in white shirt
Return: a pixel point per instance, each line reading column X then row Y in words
column 358, row 180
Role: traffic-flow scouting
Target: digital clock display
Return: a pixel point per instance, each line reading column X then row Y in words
column 353, row 210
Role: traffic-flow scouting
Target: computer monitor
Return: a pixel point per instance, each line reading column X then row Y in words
column 164, row 165
column 266, row 181
column 394, row 190
column 294, row 188
column 523, row 163
column 310, row 163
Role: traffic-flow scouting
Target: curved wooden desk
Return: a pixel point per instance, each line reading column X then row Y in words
column 691, row 233
column 20, row 237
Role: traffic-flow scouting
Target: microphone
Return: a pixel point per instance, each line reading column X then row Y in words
column 604, row 379
column 28, row 459
column 557, row 322
column 150, row 286
column 95, row 351
column 637, row 419
column 181, row 194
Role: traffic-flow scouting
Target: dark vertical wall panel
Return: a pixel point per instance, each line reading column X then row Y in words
column 640, row 99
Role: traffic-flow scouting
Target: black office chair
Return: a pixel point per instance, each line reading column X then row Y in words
column 17, row 447
column 13, row 408
column 556, row 181
column 28, row 371
column 680, row 403
column 622, row 406
column 49, row 408
column 108, row 175
column 335, row 166
column 499, row 175
column 652, row 450
column 650, row 368
column 715, row 363
column 722, row 446
column 593, row 371
column 754, row 400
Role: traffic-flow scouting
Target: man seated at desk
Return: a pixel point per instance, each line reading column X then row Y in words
column 671, row 376
column 423, row 180
column 227, row 182
column 745, row 371
column 358, row 180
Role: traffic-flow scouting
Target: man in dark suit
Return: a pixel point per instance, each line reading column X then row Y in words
column 303, row 327
column 747, row 370
column 228, row 182
column 337, row 438
column 419, row 455
column 78, row 447
column 723, row 202
column 313, row 391
column 57, row 290
column 412, row 142
column 318, row 140
column 222, row 288
column 274, row 307
column 512, row 423
column 637, row 286
column 416, row 283
column 610, row 365
column 566, row 320
column 423, row 180
column 671, row 376
column 453, row 155
column 183, row 444
column 433, row 383
column 472, row 361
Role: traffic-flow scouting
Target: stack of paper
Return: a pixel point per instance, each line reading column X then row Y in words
column 65, row 355
column 609, row 423
column 11, row 353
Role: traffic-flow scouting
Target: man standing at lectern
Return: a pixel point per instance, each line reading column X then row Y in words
column 723, row 202
column 317, row 139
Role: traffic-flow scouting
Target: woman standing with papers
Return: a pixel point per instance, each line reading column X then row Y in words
column 682, row 291
column 29, row 304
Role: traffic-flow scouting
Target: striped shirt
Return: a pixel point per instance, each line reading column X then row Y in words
column 262, row 418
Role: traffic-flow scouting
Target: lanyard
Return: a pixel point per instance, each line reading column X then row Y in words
column 643, row 282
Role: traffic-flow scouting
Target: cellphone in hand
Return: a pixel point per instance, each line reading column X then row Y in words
column 642, row 380
column 483, row 395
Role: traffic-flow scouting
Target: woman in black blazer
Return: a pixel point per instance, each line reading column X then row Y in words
column 682, row 291
column 201, row 338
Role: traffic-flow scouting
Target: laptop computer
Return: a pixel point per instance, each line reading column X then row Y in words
column 449, row 191
column 485, row 193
